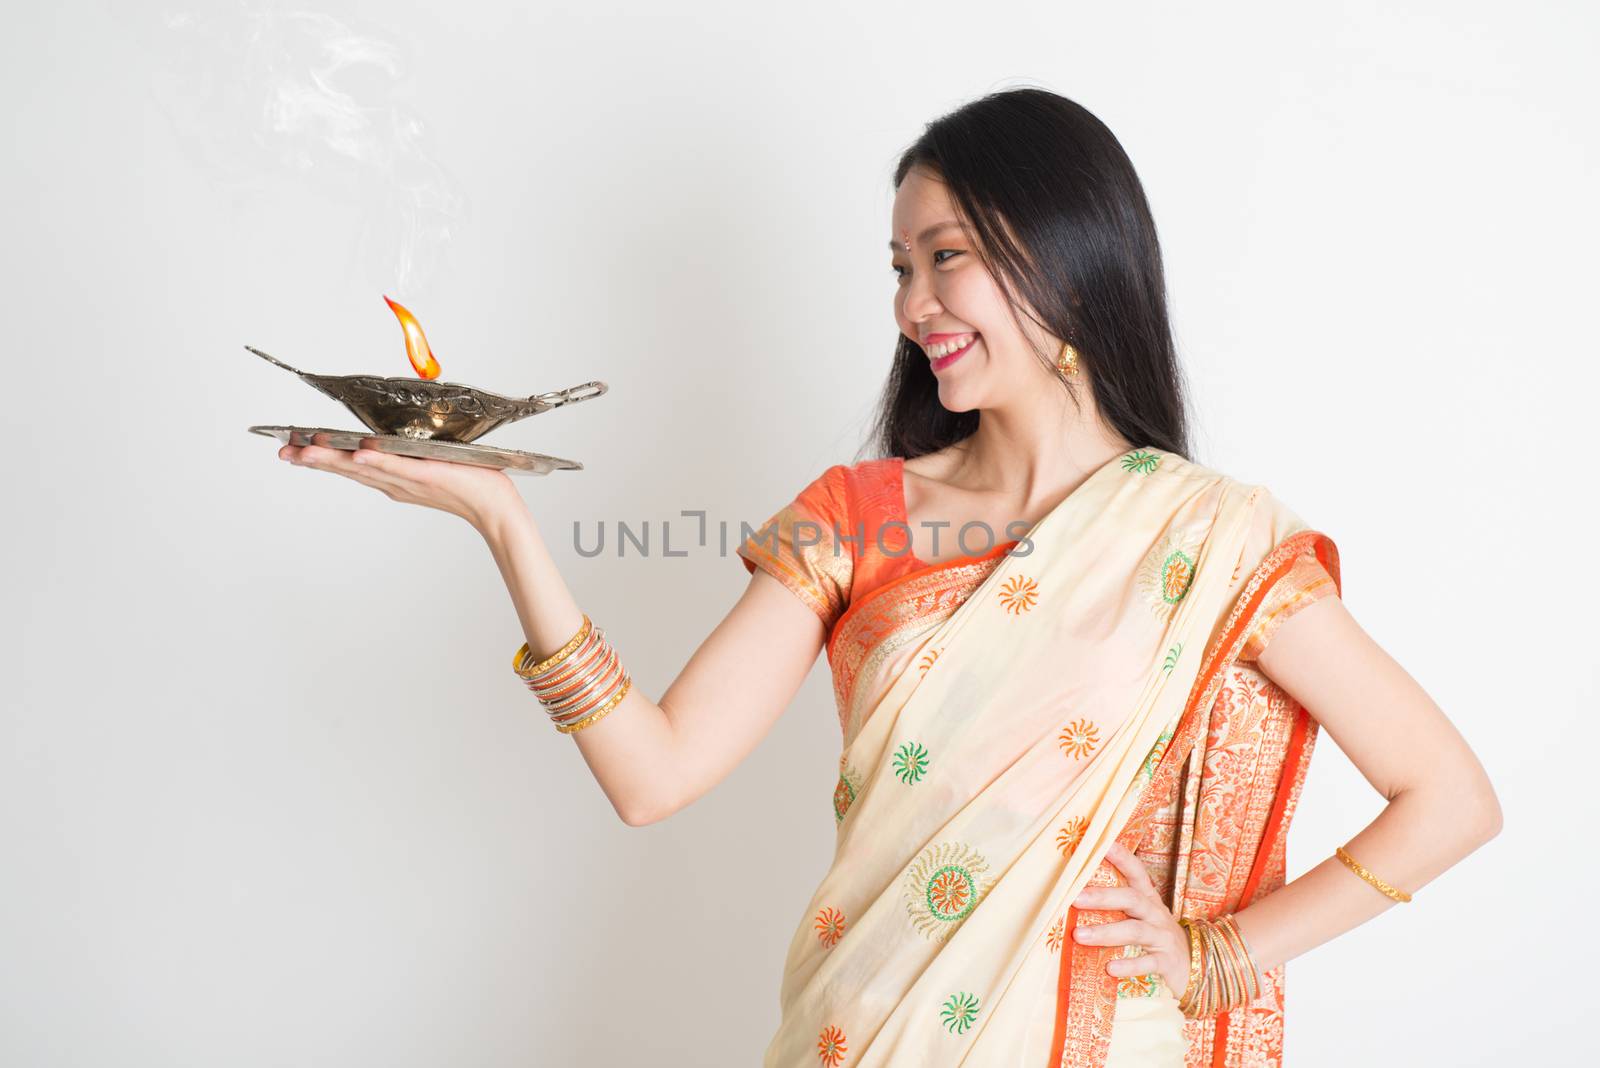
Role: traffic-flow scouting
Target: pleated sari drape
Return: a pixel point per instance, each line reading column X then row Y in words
column 1005, row 718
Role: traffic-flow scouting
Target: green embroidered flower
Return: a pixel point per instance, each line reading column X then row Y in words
column 1141, row 461
column 1168, row 568
column 1157, row 751
column 844, row 793
column 959, row 1012
column 1172, row 658
column 911, row 762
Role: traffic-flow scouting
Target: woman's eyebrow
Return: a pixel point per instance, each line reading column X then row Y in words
column 927, row 233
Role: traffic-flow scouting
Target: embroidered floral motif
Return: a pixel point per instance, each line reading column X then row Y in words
column 927, row 660
column 1141, row 461
column 1157, row 751
column 1079, row 738
column 1057, row 932
column 1137, row 986
column 1173, row 656
column 1167, row 570
column 959, row 1012
column 910, row 762
column 831, row 1047
column 845, row 792
column 830, row 926
column 1019, row 594
column 943, row 885
column 1070, row 835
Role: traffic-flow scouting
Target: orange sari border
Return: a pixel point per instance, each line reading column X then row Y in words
column 1085, row 991
column 923, row 596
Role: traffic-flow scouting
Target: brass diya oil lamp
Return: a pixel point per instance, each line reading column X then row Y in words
column 426, row 418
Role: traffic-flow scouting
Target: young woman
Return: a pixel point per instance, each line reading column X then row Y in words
column 1072, row 750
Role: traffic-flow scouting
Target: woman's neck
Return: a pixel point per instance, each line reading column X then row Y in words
column 1038, row 450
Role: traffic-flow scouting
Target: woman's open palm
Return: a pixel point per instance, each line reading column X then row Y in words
column 473, row 492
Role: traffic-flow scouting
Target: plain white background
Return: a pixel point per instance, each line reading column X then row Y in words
column 269, row 792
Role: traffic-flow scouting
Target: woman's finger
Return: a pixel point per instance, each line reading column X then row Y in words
column 1131, row 867
column 403, row 468
column 1126, row 898
column 338, row 461
column 1142, row 964
column 1121, row 933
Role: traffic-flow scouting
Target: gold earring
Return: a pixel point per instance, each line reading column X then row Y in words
column 1067, row 362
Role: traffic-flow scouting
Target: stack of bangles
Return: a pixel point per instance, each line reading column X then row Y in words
column 578, row 683
column 1222, row 970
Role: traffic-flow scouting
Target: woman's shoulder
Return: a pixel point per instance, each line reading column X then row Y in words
column 1269, row 508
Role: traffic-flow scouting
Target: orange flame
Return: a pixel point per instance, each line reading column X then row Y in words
column 417, row 349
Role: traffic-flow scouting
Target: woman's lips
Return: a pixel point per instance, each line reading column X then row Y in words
column 949, row 358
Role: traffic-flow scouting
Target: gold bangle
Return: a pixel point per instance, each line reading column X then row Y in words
column 602, row 686
column 1222, row 973
column 551, row 660
column 1241, row 949
column 1230, row 983
column 600, row 713
column 1355, row 866
column 1191, row 989
column 1212, row 980
column 594, row 675
column 1217, row 962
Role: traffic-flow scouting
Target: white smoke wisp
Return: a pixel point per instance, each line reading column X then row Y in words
column 259, row 95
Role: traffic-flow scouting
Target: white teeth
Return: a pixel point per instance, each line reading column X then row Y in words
column 944, row 348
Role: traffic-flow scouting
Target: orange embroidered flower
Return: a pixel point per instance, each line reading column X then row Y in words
column 927, row 660
column 1136, row 986
column 830, row 926
column 1019, row 594
column 1071, row 834
column 950, row 892
column 830, row 1046
column 1058, row 931
column 1177, row 571
column 1079, row 738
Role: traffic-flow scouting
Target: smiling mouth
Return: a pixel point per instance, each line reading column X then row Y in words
column 940, row 362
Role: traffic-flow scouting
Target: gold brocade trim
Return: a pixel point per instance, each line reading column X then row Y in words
column 1306, row 583
column 819, row 574
column 891, row 617
column 1226, row 644
column 1205, row 826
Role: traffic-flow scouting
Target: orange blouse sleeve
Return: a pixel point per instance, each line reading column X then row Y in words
column 1306, row 582
column 801, row 546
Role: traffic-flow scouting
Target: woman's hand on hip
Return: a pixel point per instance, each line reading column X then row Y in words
column 1150, row 924
column 475, row 493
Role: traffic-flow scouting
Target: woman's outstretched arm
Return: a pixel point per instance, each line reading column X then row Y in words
column 651, row 758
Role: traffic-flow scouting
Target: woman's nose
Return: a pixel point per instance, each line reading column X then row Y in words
column 921, row 304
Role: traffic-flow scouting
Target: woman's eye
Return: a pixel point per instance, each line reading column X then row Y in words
column 899, row 271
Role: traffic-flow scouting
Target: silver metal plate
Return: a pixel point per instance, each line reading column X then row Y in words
column 511, row 461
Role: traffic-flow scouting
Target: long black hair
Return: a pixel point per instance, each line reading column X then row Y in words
column 1060, row 216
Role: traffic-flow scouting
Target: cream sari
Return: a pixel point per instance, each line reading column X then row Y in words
column 1005, row 719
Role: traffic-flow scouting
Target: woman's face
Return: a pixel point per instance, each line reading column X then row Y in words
column 945, row 296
